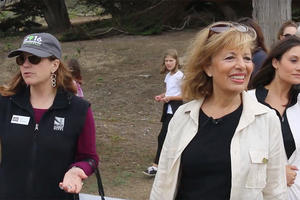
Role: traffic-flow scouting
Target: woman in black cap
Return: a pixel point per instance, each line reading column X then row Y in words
column 47, row 133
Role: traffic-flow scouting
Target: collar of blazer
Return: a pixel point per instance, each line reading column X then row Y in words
column 251, row 108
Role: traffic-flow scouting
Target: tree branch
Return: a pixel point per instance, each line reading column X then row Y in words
column 181, row 28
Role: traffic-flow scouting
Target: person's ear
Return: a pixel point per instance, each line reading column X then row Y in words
column 275, row 63
column 55, row 65
column 281, row 37
column 208, row 71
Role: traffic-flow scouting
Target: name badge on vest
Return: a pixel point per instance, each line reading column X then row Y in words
column 18, row 119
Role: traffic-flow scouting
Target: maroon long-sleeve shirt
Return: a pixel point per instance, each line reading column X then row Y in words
column 86, row 146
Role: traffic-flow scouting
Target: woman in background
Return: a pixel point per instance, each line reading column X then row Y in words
column 260, row 50
column 74, row 66
column 275, row 86
column 287, row 29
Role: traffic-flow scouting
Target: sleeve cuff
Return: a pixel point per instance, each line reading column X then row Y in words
column 84, row 166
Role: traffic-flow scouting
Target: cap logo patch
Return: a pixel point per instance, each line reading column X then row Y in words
column 33, row 40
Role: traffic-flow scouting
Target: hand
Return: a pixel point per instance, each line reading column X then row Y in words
column 157, row 98
column 165, row 99
column 291, row 174
column 72, row 182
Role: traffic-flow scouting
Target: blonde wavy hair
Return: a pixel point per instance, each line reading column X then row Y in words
column 204, row 47
column 63, row 80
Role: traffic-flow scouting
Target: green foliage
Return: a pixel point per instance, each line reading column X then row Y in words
column 8, row 47
column 84, row 10
column 5, row 14
column 28, row 8
column 19, row 16
column 66, row 57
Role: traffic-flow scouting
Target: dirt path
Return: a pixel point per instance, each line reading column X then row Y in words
column 121, row 77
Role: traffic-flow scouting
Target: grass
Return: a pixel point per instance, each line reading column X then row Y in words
column 121, row 178
column 116, row 138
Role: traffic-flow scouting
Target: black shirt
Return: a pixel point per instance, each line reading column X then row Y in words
column 206, row 162
column 288, row 139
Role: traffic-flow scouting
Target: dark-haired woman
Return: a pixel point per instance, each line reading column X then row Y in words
column 74, row 66
column 47, row 133
column 275, row 86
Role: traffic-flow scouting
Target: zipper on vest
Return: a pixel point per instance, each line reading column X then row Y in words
column 31, row 174
column 36, row 129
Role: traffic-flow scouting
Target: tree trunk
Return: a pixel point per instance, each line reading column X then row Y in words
column 56, row 15
column 270, row 15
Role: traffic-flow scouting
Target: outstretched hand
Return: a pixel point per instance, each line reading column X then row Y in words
column 72, row 182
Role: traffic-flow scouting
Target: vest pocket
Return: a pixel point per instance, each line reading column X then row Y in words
column 257, row 174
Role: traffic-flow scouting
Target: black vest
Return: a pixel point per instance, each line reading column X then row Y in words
column 35, row 157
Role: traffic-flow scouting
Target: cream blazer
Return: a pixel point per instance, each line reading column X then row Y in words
column 293, row 116
column 257, row 153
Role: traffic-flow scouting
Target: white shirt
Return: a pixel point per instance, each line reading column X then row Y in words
column 173, row 86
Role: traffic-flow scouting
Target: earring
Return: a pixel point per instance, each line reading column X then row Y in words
column 209, row 75
column 53, row 79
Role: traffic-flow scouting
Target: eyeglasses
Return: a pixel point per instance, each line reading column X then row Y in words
column 20, row 60
column 287, row 35
column 222, row 27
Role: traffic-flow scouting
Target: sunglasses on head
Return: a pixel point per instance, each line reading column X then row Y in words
column 20, row 60
column 222, row 27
